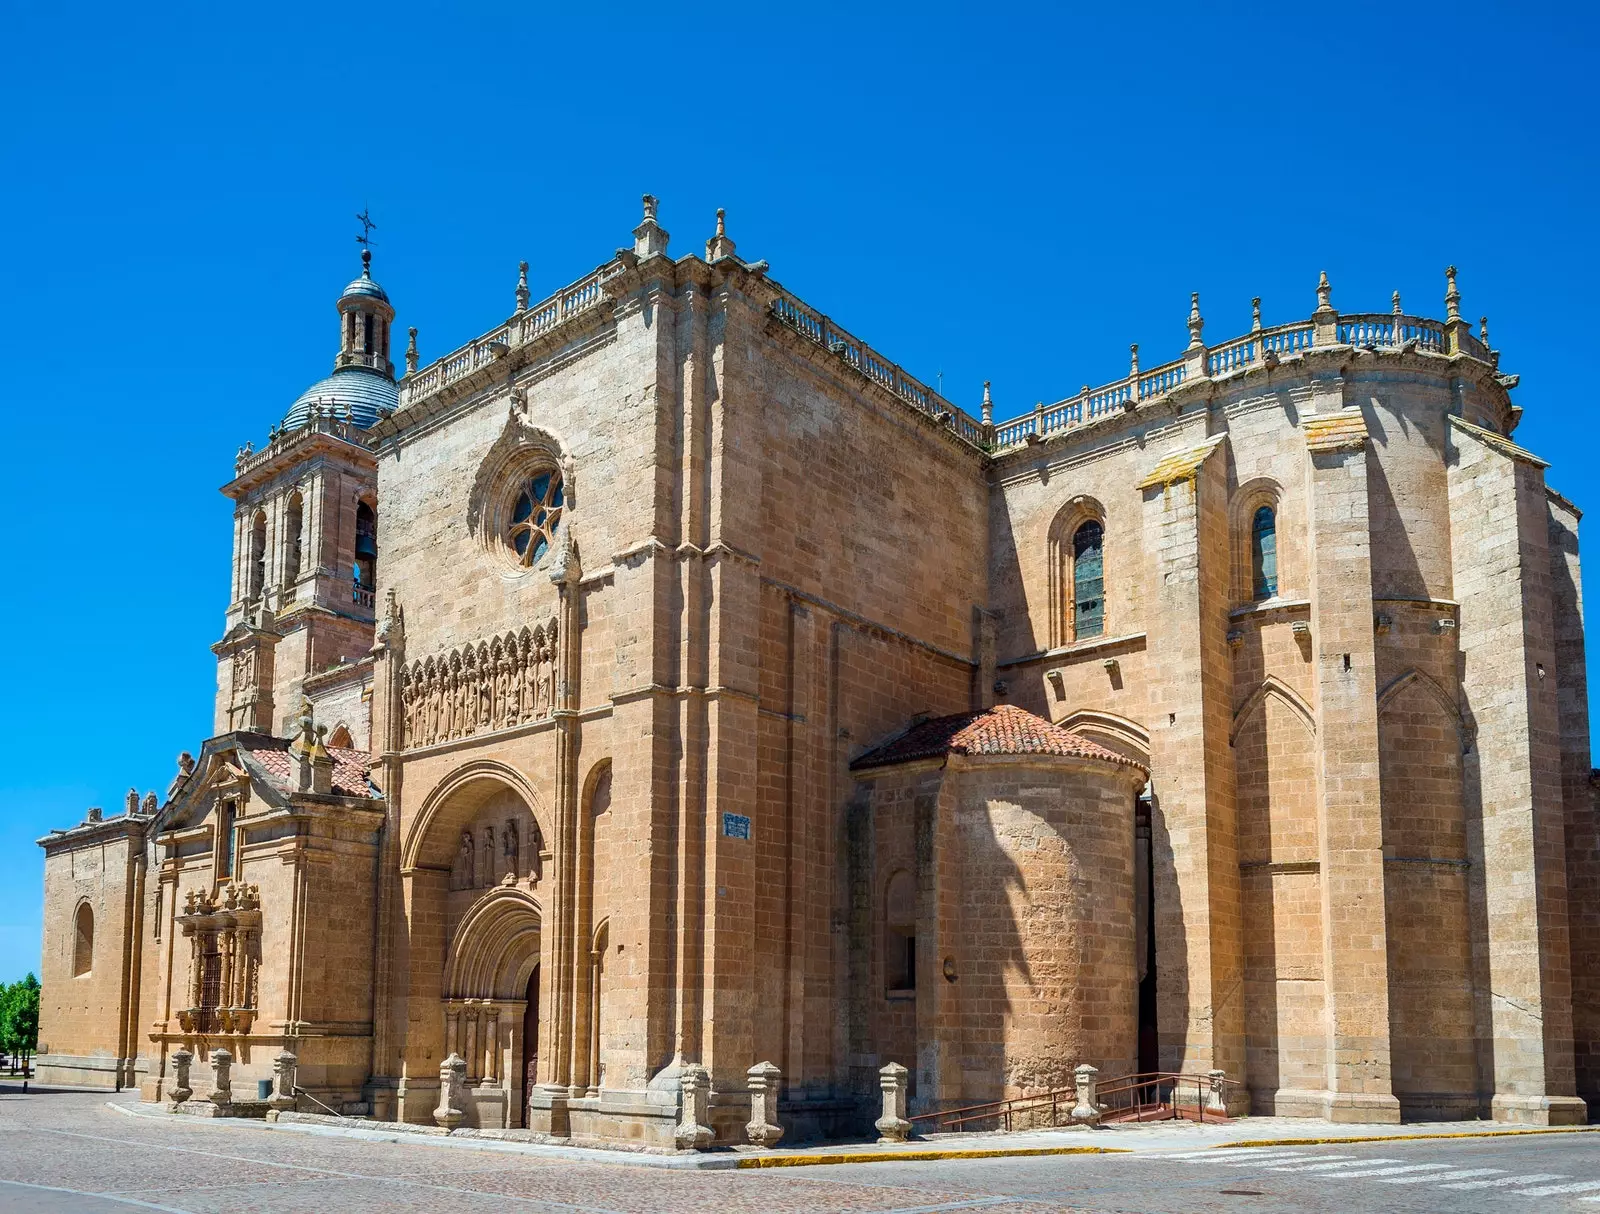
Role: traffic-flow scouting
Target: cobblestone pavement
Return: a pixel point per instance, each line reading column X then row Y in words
column 67, row 1151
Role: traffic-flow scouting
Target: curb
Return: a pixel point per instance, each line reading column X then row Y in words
column 803, row 1161
column 1335, row 1141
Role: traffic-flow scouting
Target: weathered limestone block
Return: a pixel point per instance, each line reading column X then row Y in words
column 452, row 1092
column 693, row 1134
column 221, row 1085
column 763, row 1129
column 1085, row 1110
column 181, row 1060
column 893, row 1126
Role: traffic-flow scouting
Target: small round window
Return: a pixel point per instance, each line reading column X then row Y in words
column 535, row 515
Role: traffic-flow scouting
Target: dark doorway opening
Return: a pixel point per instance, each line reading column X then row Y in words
column 1144, row 888
column 530, row 1041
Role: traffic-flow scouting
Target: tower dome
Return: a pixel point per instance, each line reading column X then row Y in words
column 362, row 388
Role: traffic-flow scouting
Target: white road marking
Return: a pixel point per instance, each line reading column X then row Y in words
column 1551, row 1190
column 1331, row 1163
column 1412, row 1167
column 1262, row 1159
column 1232, row 1152
column 1437, row 1176
column 1504, row 1181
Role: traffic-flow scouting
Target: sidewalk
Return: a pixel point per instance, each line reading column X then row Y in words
column 1077, row 1140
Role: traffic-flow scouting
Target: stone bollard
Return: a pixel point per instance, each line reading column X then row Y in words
column 452, row 1088
column 221, row 1087
column 1085, row 1110
column 693, row 1134
column 763, row 1129
column 1217, row 1102
column 284, row 1068
column 181, row 1060
column 893, row 1125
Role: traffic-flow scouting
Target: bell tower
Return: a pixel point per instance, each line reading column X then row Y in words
column 365, row 317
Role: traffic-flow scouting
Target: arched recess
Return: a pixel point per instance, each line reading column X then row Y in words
column 1247, row 499
column 1272, row 685
column 82, row 940
column 1124, row 736
column 599, row 944
column 340, row 737
column 1428, row 899
column 496, row 946
column 1063, row 527
column 434, row 836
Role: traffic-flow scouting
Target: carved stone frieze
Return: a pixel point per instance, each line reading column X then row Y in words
column 224, row 934
column 475, row 689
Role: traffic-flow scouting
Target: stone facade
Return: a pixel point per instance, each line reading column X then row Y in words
column 573, row 715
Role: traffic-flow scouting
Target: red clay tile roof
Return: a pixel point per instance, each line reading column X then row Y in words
column 350, row 768
column 1004, row 729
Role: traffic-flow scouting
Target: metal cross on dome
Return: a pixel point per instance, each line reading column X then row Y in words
column 365, row 220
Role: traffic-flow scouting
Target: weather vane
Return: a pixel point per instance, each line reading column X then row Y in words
column 367, row 225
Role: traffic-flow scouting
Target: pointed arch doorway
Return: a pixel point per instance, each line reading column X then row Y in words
column 491, row 1004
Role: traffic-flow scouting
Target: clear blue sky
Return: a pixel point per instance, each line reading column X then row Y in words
column 998, row 193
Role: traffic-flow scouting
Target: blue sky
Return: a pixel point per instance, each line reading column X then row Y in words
column 1000, row 192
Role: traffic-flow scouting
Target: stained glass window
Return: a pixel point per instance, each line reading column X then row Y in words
column 534, row 518
column 1088, row 581
column 1264, row 553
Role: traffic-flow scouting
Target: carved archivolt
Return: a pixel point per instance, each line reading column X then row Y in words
column 224, row 934
column 496, row 684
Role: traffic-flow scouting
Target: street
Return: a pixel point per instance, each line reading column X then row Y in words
column 69, row 1152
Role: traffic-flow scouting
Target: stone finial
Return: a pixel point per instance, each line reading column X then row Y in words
column 719, row 246
column 1483, row 331
column 411, row 350
column 284, row 1069
column 522, row 286
column 1255, row 314
column 1133, row 360
column 649, row 238
column 95, row 814
column 1396, row 298
column 1324, row 292
column 694, row 1087
column 1196, row 321
column 988, row 406
column 893, row 1126
column 394, row 620
column 1085, row 1109
column 132, row 801
column 150, row 802
column 1452, row 296
column 221, row 1085
column 181, row 1060
column 763, row 1129
column 452, row 1092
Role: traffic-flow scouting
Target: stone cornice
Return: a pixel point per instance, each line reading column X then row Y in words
column 1499, row 443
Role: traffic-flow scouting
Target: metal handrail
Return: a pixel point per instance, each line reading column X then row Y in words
column 300, row 1091
column 1008, row 1112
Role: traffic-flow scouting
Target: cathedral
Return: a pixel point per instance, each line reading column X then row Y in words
column 666, row 683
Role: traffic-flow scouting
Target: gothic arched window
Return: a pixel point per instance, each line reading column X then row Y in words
column 1088, row 581
column 296, row 527
column 366, row 566
column 256, row 572
column 1264, row 553
column 83, row 940
column 535, row 516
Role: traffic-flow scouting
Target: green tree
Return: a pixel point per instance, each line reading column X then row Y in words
column 19, row 1017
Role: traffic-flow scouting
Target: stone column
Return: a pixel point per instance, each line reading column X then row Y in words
column 452, row 1092
column 1355, row 955
column 1085, row 1110
column 1502, row 567
column 893, row 1126
column 285, row 1070
column 181, row 1060
column 221, row 1088
column 763, row 1129
column 694, row 1084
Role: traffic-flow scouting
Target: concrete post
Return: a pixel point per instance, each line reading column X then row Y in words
column 1085, row 1110
column 893, row 1125
column 693, row 1134
column 763, row 1129
column 452, row 1088
column 182, row 1059
column 284, row 1067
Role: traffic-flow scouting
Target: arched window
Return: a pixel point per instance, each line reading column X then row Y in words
column 1264, row 553
column 256, row 574
column 341, row 737
column 1088, row 581
column 900, row 933
column 83, row 940
column 534, row 519
column 295, row 528
column 366, row 566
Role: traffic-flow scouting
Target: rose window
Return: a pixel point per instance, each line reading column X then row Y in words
column 534, row 519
